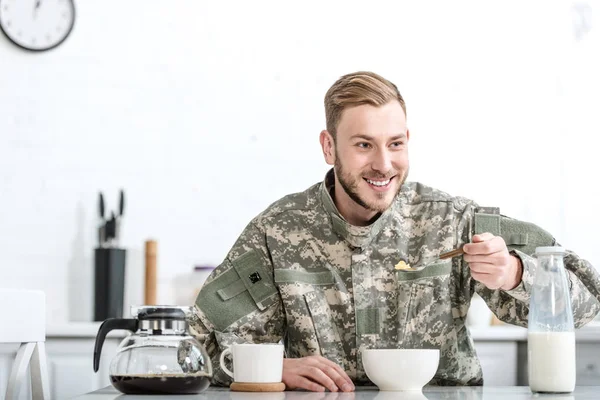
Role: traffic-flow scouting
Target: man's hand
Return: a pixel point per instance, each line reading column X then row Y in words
column 315, row 373
column 491, row 263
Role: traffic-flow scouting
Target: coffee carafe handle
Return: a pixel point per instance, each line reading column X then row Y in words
column 107, row 326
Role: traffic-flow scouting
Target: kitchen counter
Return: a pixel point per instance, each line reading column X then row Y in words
column 588, row 333
column 366, row 393
column 498, row 333
column 502, row 351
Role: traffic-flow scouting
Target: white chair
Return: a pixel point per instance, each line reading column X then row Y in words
column 24, row 322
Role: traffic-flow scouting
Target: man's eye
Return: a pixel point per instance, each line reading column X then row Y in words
column 363, row 145
column 397, row 144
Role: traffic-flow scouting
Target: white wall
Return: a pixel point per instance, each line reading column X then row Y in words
column 206, row 112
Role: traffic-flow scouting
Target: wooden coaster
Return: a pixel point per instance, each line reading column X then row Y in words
column 257, row 387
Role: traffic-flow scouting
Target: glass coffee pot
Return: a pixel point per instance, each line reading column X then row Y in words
column 160, row 357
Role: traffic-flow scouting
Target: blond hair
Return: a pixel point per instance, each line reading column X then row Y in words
column 356, row 89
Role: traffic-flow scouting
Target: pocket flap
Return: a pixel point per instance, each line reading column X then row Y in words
column 229, row 292
column 218, row 302
column 256, row 278
column 438, row 269
column 311, row 278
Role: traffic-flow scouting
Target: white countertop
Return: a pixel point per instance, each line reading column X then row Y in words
column 498, row 333
column 365, row 393
column 589, row 333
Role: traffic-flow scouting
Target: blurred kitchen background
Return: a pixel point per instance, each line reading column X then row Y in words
column 204, row 113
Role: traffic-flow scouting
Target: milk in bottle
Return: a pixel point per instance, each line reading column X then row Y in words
column 551, row 336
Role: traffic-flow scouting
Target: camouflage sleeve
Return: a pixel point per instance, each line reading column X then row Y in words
column 512, row 306
column 239, row 302
column 584, row 285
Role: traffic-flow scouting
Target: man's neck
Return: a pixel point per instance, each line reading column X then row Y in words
column 352, row 212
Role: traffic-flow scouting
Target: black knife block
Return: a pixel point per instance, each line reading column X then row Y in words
column 109, row 283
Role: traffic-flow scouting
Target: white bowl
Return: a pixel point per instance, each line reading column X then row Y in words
column 400, row 369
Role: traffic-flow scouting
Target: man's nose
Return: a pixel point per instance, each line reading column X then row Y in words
column 382, row 161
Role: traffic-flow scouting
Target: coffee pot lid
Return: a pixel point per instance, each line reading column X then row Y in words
column 160, row 312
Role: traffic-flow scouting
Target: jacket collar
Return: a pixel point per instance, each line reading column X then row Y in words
column 357, row 236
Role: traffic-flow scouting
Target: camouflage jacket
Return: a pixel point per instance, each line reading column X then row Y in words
column 301, row 274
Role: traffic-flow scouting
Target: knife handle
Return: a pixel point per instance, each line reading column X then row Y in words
column 150, row 261
column 101, row 235
column 121, row 202
column 101, row 205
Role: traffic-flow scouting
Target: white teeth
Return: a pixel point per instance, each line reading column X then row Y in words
column 378, row 183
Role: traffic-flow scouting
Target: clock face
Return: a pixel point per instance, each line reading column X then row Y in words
column 37, row 24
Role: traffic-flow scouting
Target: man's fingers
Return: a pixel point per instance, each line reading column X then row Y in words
column 495, row 258
column 492, row 245
column 482, row 237
column 319, row 376
column 489, row 280
column 489, row 260
column 340, row 372
column 486, row 247
column 339, row 380
column 481, row 268
column 479, row 277
column 315, row 373
column 304, row 383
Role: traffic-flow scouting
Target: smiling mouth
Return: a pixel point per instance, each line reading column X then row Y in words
column 378, row 183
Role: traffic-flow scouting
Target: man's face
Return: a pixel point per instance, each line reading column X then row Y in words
column 370, row 157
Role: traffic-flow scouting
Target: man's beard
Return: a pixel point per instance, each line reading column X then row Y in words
column 350, row 186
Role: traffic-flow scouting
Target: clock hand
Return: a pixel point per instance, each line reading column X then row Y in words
column 37, row 6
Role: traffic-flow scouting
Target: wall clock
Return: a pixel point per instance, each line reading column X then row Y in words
column 37, row 25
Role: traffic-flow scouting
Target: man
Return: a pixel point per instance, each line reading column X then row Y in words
column 317, row 269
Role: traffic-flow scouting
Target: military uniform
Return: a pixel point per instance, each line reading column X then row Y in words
column 301, row 274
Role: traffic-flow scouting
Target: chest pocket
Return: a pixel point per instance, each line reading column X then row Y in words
column 312, row 300
column 424, row 306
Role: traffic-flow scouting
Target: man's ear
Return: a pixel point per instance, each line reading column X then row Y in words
column 328, row 146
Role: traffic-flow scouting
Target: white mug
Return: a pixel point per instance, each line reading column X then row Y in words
column 255, row 363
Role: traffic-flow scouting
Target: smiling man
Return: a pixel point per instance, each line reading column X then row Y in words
column 316, row 269
column 373, row 145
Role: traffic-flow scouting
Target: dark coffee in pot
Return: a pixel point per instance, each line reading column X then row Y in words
column 160, row 384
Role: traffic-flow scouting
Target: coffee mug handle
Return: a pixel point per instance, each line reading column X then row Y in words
column 222, row 362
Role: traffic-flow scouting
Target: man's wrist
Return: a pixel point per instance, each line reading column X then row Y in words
column 516, row 273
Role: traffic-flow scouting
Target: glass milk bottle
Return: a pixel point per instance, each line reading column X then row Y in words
column 551, row 333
